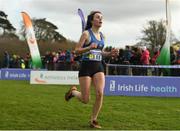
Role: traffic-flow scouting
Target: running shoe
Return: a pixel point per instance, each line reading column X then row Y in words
column 69, row 94
column 94, row 124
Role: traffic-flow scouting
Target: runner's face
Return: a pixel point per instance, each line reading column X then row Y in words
column 97, row 20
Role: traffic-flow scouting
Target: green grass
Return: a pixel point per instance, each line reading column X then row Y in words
column 40, row 107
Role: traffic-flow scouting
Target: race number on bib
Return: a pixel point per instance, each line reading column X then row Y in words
column 95, row 55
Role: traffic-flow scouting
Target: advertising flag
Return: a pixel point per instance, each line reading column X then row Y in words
column 82, row 19
column 32, row 43
column 164, row 57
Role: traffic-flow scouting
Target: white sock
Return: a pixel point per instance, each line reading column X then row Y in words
column 76, row 93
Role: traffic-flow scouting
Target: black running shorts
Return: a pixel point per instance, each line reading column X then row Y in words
column 89, row 68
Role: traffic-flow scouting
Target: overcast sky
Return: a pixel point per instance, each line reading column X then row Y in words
column 123, row 20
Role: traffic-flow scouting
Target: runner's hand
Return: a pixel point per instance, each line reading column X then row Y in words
column 93, row 46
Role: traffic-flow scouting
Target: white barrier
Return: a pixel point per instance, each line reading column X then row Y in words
column 54, row 77
column 147, row 66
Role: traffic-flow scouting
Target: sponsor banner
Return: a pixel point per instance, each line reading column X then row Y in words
column 54, row 77
column 142, row 86
column 15, row 74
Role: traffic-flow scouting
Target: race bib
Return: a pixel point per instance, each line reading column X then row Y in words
column 95, row 55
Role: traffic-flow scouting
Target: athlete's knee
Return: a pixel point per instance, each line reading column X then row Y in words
column 99, row 94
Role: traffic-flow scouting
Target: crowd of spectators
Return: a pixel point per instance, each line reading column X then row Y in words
column 144, row 57
column 16, row 61
column 68, row 60
column 61, row 60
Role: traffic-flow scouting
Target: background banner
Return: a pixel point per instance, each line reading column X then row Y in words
column 83, row 22
column 32, row 43
column 15, row 74
column 54, row 77
column 142, row 86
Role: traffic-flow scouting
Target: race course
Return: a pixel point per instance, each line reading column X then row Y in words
column 42, row 107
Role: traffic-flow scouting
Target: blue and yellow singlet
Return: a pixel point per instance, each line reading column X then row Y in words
column 94, row 54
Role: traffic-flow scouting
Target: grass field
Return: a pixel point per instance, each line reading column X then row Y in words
column 40, row 107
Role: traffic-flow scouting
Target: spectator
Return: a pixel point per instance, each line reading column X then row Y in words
column 127, row 57
column 145, row 60
column 6, row 60
column 156, row 53
column 177, row 62
column 135, row 60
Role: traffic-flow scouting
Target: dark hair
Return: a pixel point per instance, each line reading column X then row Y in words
column 90, row 18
